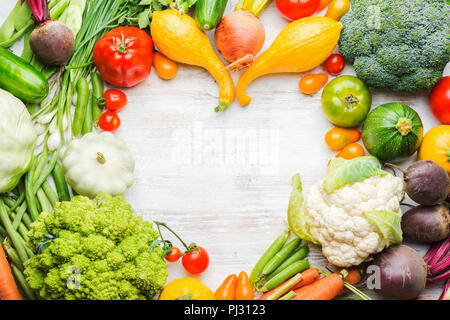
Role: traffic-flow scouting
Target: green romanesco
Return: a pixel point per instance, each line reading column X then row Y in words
column 97, row 250
column 398, row 45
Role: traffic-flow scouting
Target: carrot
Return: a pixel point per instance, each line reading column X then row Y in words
column 308, row 277
column 353, row 277
column 8, row 288
column 326, row 288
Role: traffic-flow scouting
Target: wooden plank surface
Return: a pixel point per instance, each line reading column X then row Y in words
column 223, row 180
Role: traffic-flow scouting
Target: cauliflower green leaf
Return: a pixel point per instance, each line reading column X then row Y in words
column 388, row 224
column 342, row 172
column 296, row 212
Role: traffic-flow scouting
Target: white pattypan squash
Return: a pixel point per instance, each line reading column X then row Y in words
column 17, row 140
column 98, row 163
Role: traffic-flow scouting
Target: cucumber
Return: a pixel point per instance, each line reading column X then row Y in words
column 208, row 13
column 21, row 79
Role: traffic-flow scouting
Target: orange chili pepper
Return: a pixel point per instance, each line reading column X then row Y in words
column 244, row 289
column 227, row 290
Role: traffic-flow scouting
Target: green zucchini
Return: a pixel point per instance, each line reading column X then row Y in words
column 21, row 79
column 208, row 13
column 392, row 132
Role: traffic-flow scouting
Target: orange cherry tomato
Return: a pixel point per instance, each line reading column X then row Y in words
column 227, row 290
column 351, row 151
column 244, row 289
column 165, row 68
column 311, row 83
column 323, row 4
column 337, row 9
column 338, row 138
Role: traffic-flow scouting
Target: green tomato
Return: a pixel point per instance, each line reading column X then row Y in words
column 346, row 101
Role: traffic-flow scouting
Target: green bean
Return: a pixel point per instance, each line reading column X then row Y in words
column 12, row 255
column 299, row 254
column 43, row 200
column 18, row 202
column 47, row 171
column 80, row 109
column 29, row 196
column 23, row 283
column 60, row 183
column 16, row 241
column 287, row 273
column 280, row 257
column 87, row 125
column 3, row 232
column 98, row 91
column 20, row 213
column 27, row 53
column 41, row 163
column 288, row 296
column 270, row 252
column 285, row 287
column 51, row 194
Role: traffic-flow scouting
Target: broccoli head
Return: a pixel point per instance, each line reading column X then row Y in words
column 398, row 45
column 96, row 250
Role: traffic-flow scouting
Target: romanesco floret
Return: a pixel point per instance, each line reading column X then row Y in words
column 398, row 45
column 97, row 250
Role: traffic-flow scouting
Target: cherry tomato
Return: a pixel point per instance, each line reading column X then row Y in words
column 174, row 255
column 296, row 9
column 109, row 121
column 323, row 4
column 165, row 68
column 334, row 64
column 351, row 151
column 338, row 138
column 115, row 100
column 244, row 289
column 311, row 83
column 227, row 290
column 337, row 9
column 440, row 100
column 196, row 261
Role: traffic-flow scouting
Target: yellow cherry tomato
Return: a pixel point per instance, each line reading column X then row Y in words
column 165, row 68
column 338, row 138
column 186, row 288
column 337, row 9
column 436, row 146
column 351, row 151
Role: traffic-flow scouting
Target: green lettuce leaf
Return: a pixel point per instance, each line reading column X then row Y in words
column 388, row 224
column 296, row 212
column 342, row 172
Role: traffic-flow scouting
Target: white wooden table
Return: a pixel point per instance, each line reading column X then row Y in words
column 223, row 180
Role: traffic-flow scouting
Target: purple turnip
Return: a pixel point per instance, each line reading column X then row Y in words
column 426, row 224
column 402, row 273
column 51, row 41
column 427, row 183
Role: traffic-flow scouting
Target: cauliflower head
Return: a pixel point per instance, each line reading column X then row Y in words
column 95, row 249
column 352, row 213
column 337, row 219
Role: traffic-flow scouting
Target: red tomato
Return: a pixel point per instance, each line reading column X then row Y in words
column 440, row 100
column 296, row 9
column 174, row 255
column 334, row 64
column 109, row 121
column 115, row 99
column 196, row 261
column 124, row 55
